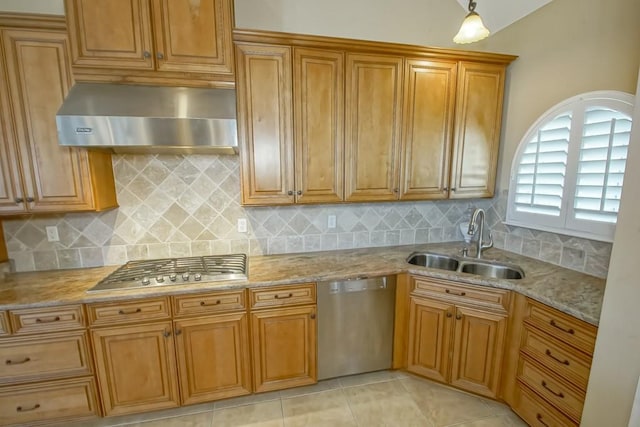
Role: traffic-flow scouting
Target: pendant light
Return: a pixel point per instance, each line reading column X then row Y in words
column 472, row 29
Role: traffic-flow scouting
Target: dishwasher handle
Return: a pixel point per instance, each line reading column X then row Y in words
column 358, row 285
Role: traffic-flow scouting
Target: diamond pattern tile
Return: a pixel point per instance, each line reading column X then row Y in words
column 172, row 205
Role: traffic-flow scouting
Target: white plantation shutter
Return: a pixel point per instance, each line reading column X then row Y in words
column 568, row 172
column 603, row 155
column 542, row 167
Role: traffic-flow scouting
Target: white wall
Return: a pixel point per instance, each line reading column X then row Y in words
column 616, row 362
column 54, row 7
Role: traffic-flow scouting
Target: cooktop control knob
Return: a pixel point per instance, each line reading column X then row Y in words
column 160, row 279
column 145, row 280
column 173, row 277
column 185, row 277
column 197, row 277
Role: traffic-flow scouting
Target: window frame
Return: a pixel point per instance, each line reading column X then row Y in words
column 566, row 223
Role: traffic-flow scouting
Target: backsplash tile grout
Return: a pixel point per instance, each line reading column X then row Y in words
column 174, row 206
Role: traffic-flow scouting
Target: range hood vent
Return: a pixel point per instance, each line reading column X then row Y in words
column 149, row 119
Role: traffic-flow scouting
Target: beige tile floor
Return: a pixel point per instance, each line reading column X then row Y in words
column 383, row 398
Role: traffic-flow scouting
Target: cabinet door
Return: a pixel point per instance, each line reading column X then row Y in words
column 55, row 178
column 430, row 330
column 193, row 36
column 213, row 357
column 265, row 124
column 136, row 368
column 429, row 102
column 10, row 180
column 110, row 34
column 284, row 348
column 318, row 88
column 477, row 136
column 478, row 350
column 372, row 137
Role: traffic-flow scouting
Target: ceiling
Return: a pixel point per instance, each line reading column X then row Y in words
column 498, row 14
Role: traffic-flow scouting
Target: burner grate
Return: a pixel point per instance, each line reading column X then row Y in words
column 171, row 271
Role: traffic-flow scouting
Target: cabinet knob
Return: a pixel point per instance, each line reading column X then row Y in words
column 178, row 332
column 458, row 316
column 30, row 199
column 146, row 54
column 19, row 200
column 290, row 192
column 449, row 314
column 299, row 192
column 396, row 190
column 312, row 315
column 453, row 189
column 160, row 55
column 446, row 188
column 166, row 334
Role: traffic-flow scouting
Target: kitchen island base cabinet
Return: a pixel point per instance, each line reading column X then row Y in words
column 457, row 334
column 136, row 368
column 213, row 357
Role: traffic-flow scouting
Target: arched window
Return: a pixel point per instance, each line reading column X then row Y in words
column 568, row 171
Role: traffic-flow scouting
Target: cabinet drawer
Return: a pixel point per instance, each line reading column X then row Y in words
column 560, row 358
column 128, row 311
column 47, row 319
column 48, row 402
column 48, row 356
column 563, row 396
column 277, row 296
column 566, row 328
column 214, row 302
column 459, row 293
column 536, row 412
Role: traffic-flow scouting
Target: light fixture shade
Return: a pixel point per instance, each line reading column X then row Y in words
column 472, row 30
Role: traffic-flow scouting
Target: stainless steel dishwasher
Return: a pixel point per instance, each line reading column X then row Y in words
column 355, row 325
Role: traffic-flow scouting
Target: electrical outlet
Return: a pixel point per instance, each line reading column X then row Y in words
column 331, row 221
column 52, row 233
column 242, row 225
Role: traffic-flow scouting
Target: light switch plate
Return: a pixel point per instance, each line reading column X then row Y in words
column 52, row 233
column 242, row 225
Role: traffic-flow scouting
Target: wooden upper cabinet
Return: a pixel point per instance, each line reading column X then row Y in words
column 193, row 36
column 265, row 127
column 45, row 177
column 372, row 138
column 477, row 132
column 173, row 42
column 318, row 99
column 112, row 34
column 429, row 106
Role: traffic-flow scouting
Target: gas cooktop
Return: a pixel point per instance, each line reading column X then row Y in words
column 175, row 271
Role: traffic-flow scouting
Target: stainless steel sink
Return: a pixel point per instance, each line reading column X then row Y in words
column 433, row 260
column 483, row 268
column 486, row 269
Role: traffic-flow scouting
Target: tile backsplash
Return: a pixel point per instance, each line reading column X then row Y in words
column 173, row 206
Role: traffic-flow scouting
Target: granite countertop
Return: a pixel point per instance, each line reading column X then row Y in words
column 569, row 291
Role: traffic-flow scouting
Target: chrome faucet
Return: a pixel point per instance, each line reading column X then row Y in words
column 473, row 224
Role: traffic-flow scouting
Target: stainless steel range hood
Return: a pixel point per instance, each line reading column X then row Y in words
column 142, row 119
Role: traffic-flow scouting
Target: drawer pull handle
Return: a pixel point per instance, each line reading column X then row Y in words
column 49, row 320
column 555, row 325
column 33, row 408
column 460, row 294
column 559, row 394
column 204, row 304
column 289, row 295
column 564, row 362
column 137, row 310
column 539, row 418
column 19, row 362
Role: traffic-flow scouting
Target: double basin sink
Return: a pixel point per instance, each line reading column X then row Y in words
column 479, row 267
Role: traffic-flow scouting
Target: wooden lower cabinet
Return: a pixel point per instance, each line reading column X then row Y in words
column 213, row 357
column 284, row 347
column 54, row 401
column 455, row 342
column 136, row 367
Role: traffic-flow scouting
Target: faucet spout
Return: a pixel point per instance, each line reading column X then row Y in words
column 477, row 222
